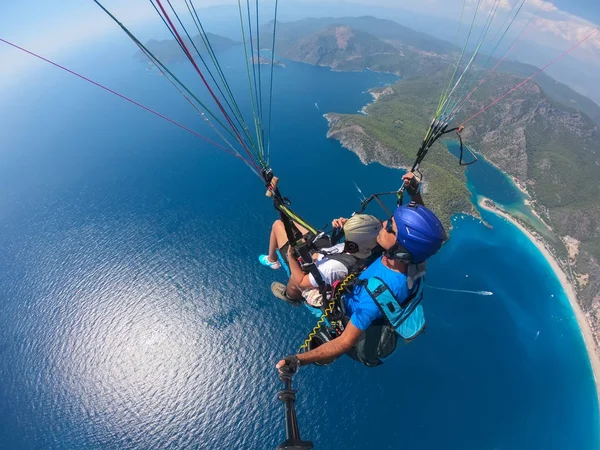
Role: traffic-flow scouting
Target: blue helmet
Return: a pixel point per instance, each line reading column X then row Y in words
column 420, row 233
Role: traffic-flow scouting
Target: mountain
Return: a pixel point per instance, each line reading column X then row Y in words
column 169, row 51
column 380, row 28
column 416, row 54
column 556, row 90
column 353, row 44
column 336, row 47
column 570, row 70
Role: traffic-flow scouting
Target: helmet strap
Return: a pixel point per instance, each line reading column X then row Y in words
column 398, row 252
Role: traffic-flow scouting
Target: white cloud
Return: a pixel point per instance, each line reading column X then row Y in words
column 558, row 30
column 571, row 30
column 542, row 5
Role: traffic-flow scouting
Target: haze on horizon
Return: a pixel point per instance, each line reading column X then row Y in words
column 54, row 30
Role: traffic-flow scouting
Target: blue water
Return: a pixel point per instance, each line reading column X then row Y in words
column 484, row 179
column 133, row 313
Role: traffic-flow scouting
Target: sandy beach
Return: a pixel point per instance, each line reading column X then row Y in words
column 567, row 286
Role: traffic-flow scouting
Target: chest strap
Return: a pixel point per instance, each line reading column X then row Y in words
column 396, row 312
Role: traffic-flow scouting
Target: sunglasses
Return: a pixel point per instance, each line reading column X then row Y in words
column 389, row 226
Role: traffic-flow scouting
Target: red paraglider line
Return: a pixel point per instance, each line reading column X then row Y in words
column 490, row 73
column 190, row 57
column 528, row 79
column 123, row 97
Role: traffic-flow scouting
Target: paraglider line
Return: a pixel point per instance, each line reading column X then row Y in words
column 271, row 83
column 121, row 96
column 201, row 58
column 215, row 62
column 189, row 55
column 532, row 76
column 515, row 43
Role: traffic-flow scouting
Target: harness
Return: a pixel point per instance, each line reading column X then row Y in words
column 302, row 244
column 402, row 319
column 396, row 313
column 350, row 262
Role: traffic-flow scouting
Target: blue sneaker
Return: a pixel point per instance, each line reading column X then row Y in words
column 264, row 260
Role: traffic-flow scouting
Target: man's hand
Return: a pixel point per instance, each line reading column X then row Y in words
column 292, row 362
column 411, row 183
column 339, row 223
column 326, row 352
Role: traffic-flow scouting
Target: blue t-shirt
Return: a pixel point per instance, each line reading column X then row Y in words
column 359, row 305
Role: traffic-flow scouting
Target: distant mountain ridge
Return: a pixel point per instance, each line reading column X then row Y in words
column 380, row 28
column 335, row 45
column 169, row 51
column 415, row 54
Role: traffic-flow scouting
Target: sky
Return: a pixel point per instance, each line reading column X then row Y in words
column 52, row 28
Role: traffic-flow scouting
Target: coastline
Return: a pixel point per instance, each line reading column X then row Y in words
column 567, row 285
column 376, row 93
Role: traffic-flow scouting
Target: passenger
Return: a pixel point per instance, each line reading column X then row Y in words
column 334, row 263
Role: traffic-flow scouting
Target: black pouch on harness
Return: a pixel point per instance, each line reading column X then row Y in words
column 378, row 341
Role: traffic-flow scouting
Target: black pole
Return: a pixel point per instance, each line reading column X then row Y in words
column 288, row 396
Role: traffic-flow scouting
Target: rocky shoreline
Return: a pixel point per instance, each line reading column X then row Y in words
column 355, row 138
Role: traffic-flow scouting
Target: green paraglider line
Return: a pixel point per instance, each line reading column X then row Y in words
column 471, row 75
column 260, row 106
column 209, row 71
column 481, row 39
column 462, row 53
column 256, row 79
column 215, row 61
column 513, row 45
column 271, row 84
column 447, row 79
column 205, row 82
column 253, row 102
column 156, row 61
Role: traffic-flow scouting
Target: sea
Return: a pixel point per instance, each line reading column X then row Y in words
column 134, row 313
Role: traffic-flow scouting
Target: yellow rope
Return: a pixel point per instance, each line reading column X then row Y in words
column 338, row 291
column 289, row 213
